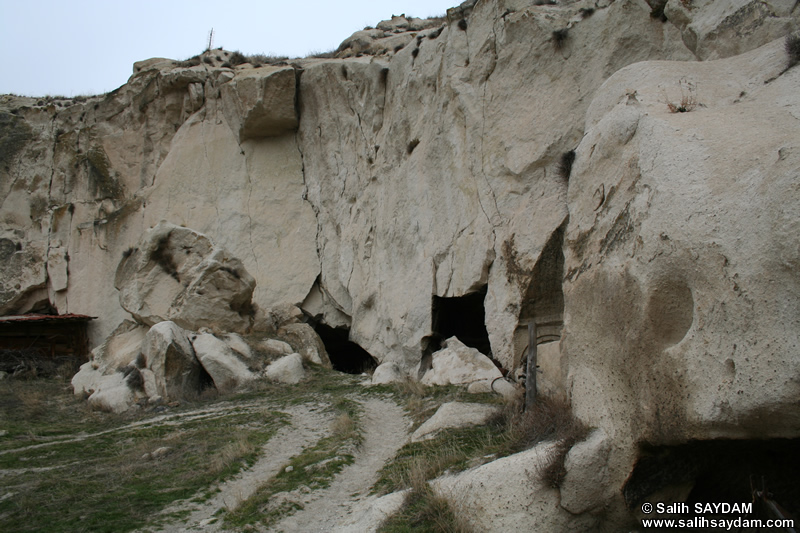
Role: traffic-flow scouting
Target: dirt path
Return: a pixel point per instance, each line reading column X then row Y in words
column 309, row 423
column 385, row 431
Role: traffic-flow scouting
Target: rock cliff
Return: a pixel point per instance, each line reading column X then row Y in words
column 623, row 174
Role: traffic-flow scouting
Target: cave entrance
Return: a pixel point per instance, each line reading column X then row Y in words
column 463, row 317
column 345, row 355
column 764, row 472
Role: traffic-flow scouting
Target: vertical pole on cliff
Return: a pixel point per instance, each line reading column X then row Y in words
column 530, row 375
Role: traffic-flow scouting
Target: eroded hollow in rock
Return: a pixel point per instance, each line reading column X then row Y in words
column 543, row 302
column 764, row 472
column 345, row 355
column 462, row 317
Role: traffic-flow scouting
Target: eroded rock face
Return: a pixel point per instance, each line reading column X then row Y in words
column 178, row 274
column 261, row 104
column 684, row 218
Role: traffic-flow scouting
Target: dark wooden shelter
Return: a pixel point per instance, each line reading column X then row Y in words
column 36, row 337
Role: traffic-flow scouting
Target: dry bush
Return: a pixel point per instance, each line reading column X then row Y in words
column 688, row 101
column 792, row 46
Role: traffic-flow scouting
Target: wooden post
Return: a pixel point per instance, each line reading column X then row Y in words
column 530, row 375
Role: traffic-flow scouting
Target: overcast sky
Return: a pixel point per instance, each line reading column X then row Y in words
column 77, row 47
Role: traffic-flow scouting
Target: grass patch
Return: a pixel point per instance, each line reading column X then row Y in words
column 70, row 469
column 510, row 431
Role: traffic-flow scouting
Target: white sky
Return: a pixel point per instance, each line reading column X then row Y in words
column 67, row 48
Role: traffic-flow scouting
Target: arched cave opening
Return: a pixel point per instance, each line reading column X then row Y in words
column 345, row 355
column 463, row 317
column 764, row 472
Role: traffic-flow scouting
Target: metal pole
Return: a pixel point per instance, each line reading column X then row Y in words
column 530, row 375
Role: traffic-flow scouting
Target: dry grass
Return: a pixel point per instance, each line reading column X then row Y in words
column 688, row 100
column 233, row 452
column 426, row 510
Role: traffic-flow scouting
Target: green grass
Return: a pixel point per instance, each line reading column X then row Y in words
column 104, row 483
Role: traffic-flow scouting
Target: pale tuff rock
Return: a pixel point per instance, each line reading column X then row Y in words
column 169, row 355
column 504, row 388
column 120, row 349
column 178, row 274
column 238, row 345
column 112, row 393
column 457, row 364
column 671, row 238
column 714, row 30
column 260, row 103
column 388, row 372
column 585, row 486
column 491, row 496
column 305, row 341
column 454, row 415
column 287, row 369
column 275, row 347
column 227, row 370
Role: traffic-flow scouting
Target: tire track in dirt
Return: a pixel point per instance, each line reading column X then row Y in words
column 331, row 509
column 310, row 422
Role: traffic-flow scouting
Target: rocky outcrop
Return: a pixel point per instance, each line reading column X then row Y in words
column 177, row 274
column 454, row 415
column 618, row 173
column 457, row 364
column 288, row 369
column 169, row 355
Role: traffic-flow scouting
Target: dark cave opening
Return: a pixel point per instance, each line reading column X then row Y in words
column 761, row 472
column 462, row 317
column 345, row 355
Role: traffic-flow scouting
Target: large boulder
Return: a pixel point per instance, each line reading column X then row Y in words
column 120, row 350
column 169, row 355
column 287, row 369
column 458, row 364
column 509, row 495
column 178, row 274
column 261, row 102
column 227, row 368
column 454, row 415
column 305, row 341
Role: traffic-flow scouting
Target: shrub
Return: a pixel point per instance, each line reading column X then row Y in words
column 415, row 52
column 792, row 45
column 398, row 48
column 462, row 24
column 586, row 12
column 237, row 58
column 435, row 34
column 560, row 38
column 565, row 165
column 688, row 100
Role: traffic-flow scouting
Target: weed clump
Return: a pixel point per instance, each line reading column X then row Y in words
column 792, row 46
column 565, row 166
column 559, row 38
column 688, row 101
column 163, row 257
